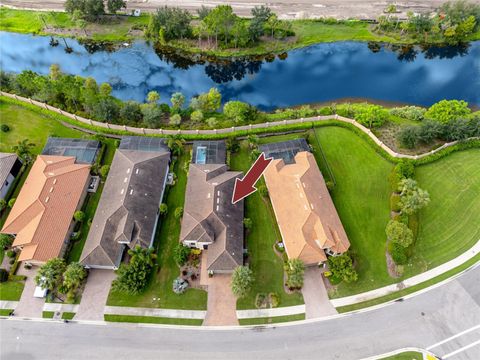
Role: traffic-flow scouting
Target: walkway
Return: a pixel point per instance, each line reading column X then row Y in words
column 221, row 304
column 317, row 303
column 94, row 297
column 414, row 280
column 29, row 306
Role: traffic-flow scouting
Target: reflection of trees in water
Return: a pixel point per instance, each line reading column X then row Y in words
column 225, row 71
column 93, row 46
column 174, row 57
column 409, row 53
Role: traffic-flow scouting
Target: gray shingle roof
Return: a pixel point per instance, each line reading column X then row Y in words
column 7, row 160
column 128, row 209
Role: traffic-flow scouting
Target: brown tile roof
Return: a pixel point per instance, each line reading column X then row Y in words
column 305, row 212
column 43, row 211
column 209, row 215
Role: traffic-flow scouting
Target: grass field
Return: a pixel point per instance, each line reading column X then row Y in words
column 159, row 292
column 266, row 265
column 407, row 355
column 152, row 320
column 11, row 290
column 450, row 224
column 361, row 197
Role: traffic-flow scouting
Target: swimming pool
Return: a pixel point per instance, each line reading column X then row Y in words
column 201, row 157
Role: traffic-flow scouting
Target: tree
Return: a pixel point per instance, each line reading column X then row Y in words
column 163, row 209
column 239, row 111
column 175, row 143
column 196, row 116
column 409, row 136
column 152, row 115
column 114, row 5
column 106, row 109
column 79, row 216
column 273, row 23
column 133, row 277
column 412, row 198
column 175, row 119
column 131, row 111
column 295, row 269
column 399, row 233
column 153, row 97
column 220, row 21
column 341, row 267
column 181, row 254
column 6, row 241
column 72, row 278
column 371, row 115
column 210, row 101
column 242, row 279
column 49, row 275
column 203, row 12
column 104, row 171
column 448, row 110
column 169, row 23
column 23, row 149
column 91, row 10
column 177, row 100
column 260, row 15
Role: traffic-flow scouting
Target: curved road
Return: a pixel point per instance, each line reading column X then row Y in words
column 420, row 321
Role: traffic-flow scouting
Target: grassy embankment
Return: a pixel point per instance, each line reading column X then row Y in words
column 152, row 320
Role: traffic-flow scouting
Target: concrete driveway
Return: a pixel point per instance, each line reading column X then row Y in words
column 28, row 306
column 95, row 294
column 221, row 304
column 315, row 295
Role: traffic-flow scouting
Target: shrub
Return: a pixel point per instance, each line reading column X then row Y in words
column 239, row 111
column 242, row 279
column 247, row 223
column 196, row 116
column 212, row 122
column 3, row 275
column 342, row 269
column 409, row 136
column 5, row 128
column 11, row 202
column 11, row 253
column 79, row 216
column 412, row 198
column 399, row 233
column 262, row 189
column 178, row 212
column 175, row 119
column 104, row 171
column 371, row 115
column 395, row 202
column 274, row 300
column 3, row 204
column 414, row 113
column 295, row 270
column 181, row 253
column 399, row 254
column 133, row 277
column 448, row 110
column 5, row 241
column 163, row 209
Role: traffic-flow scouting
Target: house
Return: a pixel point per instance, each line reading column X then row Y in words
column 309, row 224
column 210, row 220
column 41, row 218
column 128, row 211
column 10, row 166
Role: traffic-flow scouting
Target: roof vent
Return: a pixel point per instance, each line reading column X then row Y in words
column 121, row 192
column 131, row 192
column 54, row 181
column 136, row 172
column 128, row 171
column 51, row 189
column 125, row 180
column 46, row 200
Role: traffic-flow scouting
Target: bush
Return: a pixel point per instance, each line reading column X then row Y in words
column 79, row 216
column 274, row 300
column 262, row 189
column 341, row 267
column 239, row 112
column 399, row 233
column 196, row 116
column 242, row 279
column 3, row 275
column 395, row 202
column 448, row 110
column 163, row 209
column 409, row 136
column 11, row 254
column 5, row 241
column 181, row 253
column 175, row 119
column 370, row 115
column 247, row 223
column 414, row 113
column 5, row 128
column 399, row 254
column 11, row 202
column 212, row 122
column 295, row 270
column 104, row 171
column 178, row 212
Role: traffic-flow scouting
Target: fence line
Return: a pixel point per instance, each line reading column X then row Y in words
column 146, row 131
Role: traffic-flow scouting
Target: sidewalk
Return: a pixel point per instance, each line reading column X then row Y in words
column 414, row 280
column 280, row 311
column 156, row 312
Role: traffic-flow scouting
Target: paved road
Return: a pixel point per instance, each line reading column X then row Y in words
column 284, row 8
column 421, row 321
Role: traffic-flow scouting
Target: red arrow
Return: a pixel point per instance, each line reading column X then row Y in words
column 245, row 187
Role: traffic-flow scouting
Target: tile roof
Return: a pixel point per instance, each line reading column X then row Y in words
column 305, row 212
column 43, row 211
column 128, row 209
column 209, row 215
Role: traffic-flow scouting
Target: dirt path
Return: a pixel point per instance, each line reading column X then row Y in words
column 340, row 9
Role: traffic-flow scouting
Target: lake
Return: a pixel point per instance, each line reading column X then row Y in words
column 319, row 73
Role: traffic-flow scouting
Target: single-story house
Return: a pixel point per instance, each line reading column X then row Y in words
column 210, row 220
column 309, row 223
column 41, row 218
column 10, row 166
column 128, row 211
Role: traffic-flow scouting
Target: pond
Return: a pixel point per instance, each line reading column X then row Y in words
column 320, row 73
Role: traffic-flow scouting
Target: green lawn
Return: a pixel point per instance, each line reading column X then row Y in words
column 5, row 312
column 26, row 124
column 271, row 320
column 11, row 290
column 152, row 320
column 407, row 355
column 68, row 315
column 266, row 265
column 159, row 292
column 48, row 314
column 361, row 196
column 450, row 224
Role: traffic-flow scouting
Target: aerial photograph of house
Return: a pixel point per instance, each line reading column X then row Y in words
column 10, row 166
column 310, row 226
column 127, row 214
column 210, row 221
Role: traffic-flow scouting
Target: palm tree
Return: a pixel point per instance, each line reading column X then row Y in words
column 175, row 144
column 143, row 255
column 73, row 277
column 23, row 150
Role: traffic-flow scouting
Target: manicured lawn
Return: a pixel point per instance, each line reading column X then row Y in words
column 48, row 314
column 450, row 224
column 26, row 124
column 271, row 320
column 5, row 312
column 361, row 197
column 152, row 320
column 11, row 290
column 159, row 292
column 266, row 265
column 68, row 315
column 407, row 355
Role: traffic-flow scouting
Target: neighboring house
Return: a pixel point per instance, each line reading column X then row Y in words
column 128, row 210
column 41, row 218
column 85, row 151
column 10, row 166
column 210, row 220
column 306, row 215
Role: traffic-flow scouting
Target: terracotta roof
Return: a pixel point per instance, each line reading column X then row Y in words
column 44, row 209
column 305, row 212
column 209, row 215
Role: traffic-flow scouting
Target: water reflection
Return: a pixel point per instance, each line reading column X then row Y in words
column 323, row 72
